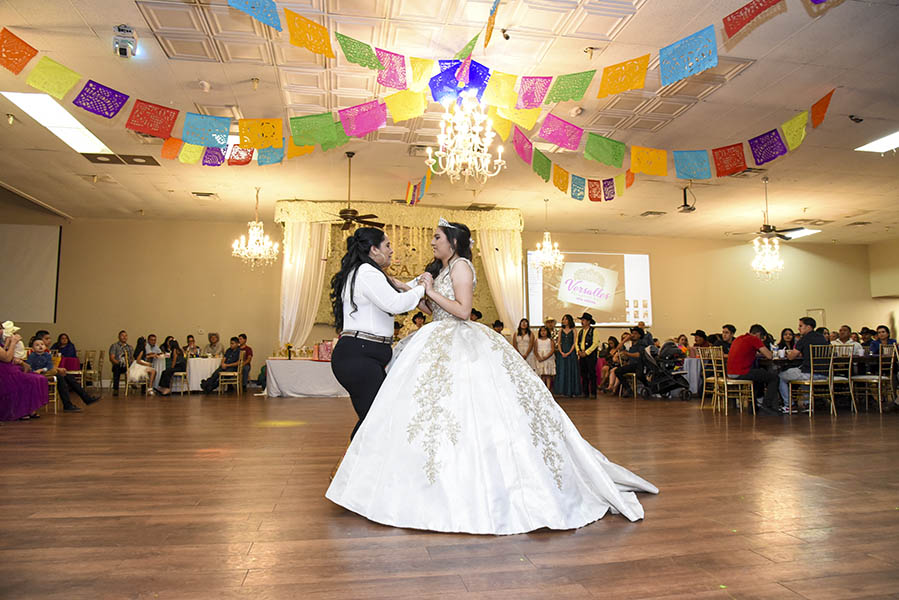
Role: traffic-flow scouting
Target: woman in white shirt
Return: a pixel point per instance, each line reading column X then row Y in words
column 364, row 300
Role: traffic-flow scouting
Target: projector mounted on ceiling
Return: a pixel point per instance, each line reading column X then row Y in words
column 124, row 42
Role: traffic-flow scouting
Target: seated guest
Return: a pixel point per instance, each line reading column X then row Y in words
column 844, row 337
column 214, row 347
column 728, row 332
column 18, row 349
column 229, row 363
column 166, row 344
column 633, row 358
column 787, row 339
column 609, row 352
column 179, row 365
column 855, row 338
column 64, row 346
column 418, row 320
column 809, row 337
column 476, row 315
column 191, row 350
column 834, row 335
column 248, row 359
column 684, row 344
column 626, row 340
column 140, row 367
column 120, row 356
column 700, row 340
column 883, row 339
column 498, row 326
column 867, row 337
column 41, row 363
column 743, row 352
column 153, row 351
column 824, row 331
column 21, row 394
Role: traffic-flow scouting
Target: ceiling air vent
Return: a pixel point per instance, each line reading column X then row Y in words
column 143, row 138
column 859, row 224
column 480, row 206
column 749, row 173
column 652, row 213
column 205, row 195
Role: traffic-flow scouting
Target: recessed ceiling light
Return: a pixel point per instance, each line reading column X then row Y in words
column 884, row 144
column 48, row 112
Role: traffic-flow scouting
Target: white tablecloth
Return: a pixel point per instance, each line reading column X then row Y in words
column 199, row 369
column 693, row 367
column 299, row 378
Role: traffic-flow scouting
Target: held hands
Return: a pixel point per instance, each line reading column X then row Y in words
column 427, row 280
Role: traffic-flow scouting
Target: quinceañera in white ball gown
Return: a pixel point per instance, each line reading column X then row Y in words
column 464, row 437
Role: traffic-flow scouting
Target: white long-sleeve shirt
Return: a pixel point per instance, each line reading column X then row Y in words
column 377, row 302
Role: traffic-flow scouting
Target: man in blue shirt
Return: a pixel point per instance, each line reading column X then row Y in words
column 803, row 349
column 41, row 362
column 229, row 363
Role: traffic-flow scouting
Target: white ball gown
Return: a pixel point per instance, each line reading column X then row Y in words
column 464, row 437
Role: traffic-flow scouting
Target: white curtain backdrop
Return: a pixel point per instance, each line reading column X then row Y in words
column 302, row 276
column 501, row 254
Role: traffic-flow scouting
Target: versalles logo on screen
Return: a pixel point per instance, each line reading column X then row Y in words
column 587, row 285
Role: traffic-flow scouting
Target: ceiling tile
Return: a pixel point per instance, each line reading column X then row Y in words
column 188, row 48
column 667, row 107
column 163, row 17
column 543, row 16
column 224, row 20
column 303, row 78
column 291, row 56
column 644, row 123
column 257, row 53
column 364, row 8
column 600, row 19
column 420, row 10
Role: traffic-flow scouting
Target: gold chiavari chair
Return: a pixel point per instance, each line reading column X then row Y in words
column 53, row 396
column 89, row 373
column 740, row 390
column 842, row 374
column 710, row 378
column 818, row 382
column 882, row 382
column 144, row 380
column 233, row 377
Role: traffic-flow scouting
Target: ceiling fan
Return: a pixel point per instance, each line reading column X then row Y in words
column 770, row 231
column 350, row 215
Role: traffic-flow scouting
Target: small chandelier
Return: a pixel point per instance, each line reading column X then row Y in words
column 548, row 255
column 465, row 137
column 767, row 263
column 255, row 247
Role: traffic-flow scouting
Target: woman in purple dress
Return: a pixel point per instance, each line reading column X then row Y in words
column 21, row 394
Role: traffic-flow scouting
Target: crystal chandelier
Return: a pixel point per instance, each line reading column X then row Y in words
column 767, row 262
column 465, row 137
column 255, row 247
column 548, row 255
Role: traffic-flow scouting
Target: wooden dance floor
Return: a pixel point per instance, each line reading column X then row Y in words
column 220, row 498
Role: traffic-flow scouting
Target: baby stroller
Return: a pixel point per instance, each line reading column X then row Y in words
column 660, row 370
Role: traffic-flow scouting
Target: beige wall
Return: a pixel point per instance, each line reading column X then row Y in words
column 164, row 277
column 705, row 283
column 174, row 277
column 883, row 258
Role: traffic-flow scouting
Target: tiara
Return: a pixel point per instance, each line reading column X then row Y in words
column 444, row 223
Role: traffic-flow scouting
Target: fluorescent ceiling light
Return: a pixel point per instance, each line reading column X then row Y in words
column 48, row 112
column 884, row 144
column 802, row 232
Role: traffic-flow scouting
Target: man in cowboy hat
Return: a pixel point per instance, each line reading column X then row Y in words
column 586, row 354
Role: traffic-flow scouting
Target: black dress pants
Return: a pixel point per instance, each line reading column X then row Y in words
column 117, row 372
column 67, row 384
column 165, row 380
column 587, row 365
column 763, row 378
column 359, row 367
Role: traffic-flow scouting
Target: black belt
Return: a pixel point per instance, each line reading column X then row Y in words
column 367, row 336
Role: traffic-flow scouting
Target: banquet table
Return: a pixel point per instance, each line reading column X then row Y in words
column 199, row 369
column 69, row 363
column 693, row 373
column 299, row 378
